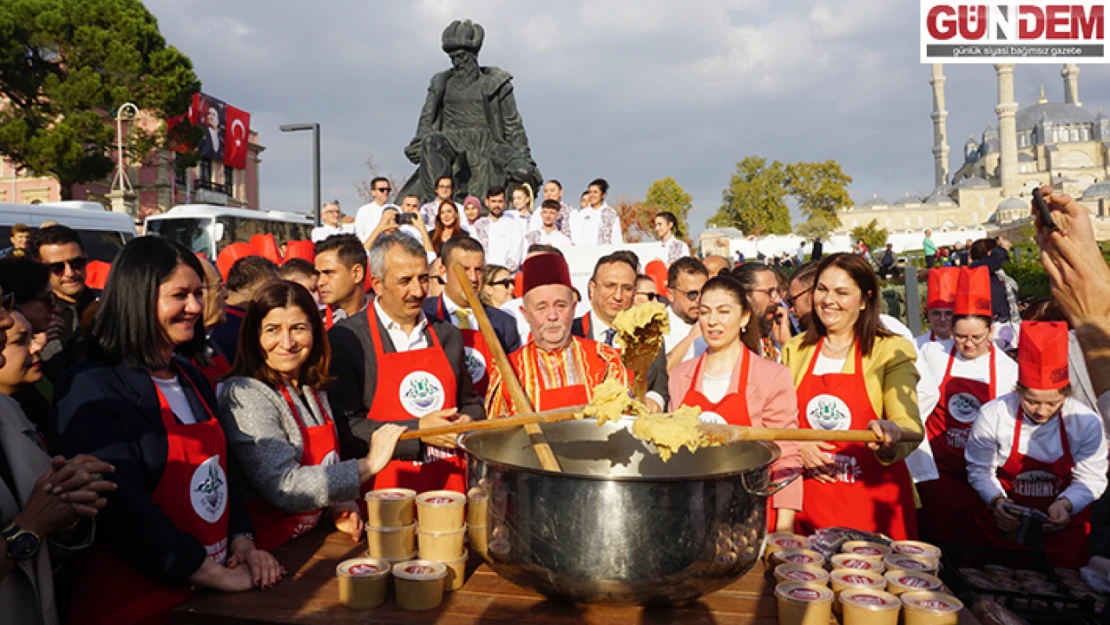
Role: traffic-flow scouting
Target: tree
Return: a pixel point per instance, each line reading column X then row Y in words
column 754, row 200
column 66, row 66
column 816, row 227
column 820, row 189
column 873, row 236
column 667, row 195
column 362, row 187
column 637, row 222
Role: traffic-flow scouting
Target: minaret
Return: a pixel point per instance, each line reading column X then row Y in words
column 940, row 127
column 1071, row 84
column 1007, row 130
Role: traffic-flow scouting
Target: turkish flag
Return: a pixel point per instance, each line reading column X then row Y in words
column 194, row 109
column 236, row 137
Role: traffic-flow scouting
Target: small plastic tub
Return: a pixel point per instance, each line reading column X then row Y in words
column 363, row 582
column 440, row 546
column 390, row 542
column 898, row 582
column 419, row 584
column 921, row 564
column 866, row 548
column 857, row 562
column 441, row 510
column 842, row 579
column 390, row 507
column 456, row 573
column 797, row 556
column 805, row 573
column 477, row 507
column 865, row 606
column 479, row 539
column 916, row 548
column 923, row 607
column 803, row 604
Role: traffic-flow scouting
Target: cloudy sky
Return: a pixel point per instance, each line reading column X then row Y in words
column 628, row 90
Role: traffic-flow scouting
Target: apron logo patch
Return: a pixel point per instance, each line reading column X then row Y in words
column 711, row 417
column 475, row 364
column 828, row 412
column 421, row 393
column 1037, row 484
column 956, row 438
column 208, row 490
column 963, row 407
column 847, row 469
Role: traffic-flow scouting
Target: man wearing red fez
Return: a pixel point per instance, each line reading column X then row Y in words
column 969, row 371
column 555, row 368
column 940, row 302
column 1038, row 448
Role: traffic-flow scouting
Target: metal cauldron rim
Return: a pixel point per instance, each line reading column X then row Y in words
column 772, row 448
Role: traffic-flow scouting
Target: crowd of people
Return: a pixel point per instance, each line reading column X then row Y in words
column 167, row 433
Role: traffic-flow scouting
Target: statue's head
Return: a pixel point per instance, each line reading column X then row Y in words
column 463, row 35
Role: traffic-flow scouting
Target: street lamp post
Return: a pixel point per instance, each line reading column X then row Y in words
column 315, row 128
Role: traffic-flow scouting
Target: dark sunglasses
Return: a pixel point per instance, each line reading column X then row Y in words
column 7, row 302
column 648, row 294
column 790, row 299
column 507, row 283
column 77, row 264
column 384, row 189
column 690, row 295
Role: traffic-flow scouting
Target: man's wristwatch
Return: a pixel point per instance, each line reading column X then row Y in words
column 22, row 544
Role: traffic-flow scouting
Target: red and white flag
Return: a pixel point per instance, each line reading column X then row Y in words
column 236, row 137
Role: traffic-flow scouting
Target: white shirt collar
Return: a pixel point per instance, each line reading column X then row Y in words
column 393, row 326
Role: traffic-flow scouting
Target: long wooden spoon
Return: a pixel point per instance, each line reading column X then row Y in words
column 547, row 416
column 722, row 434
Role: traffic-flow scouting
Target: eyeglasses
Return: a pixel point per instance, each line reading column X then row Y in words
column 974, row 340
column 384, row 189
column 690, row 295
column 648, row 294
column 793, row 297
column 77, row 264
column 7, row 302
column 769, row 291
column 507, row 283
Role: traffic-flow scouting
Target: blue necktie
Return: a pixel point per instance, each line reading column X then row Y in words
column 608, row 336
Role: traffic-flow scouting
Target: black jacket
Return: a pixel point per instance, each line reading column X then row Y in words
column 111, row 412
column 994, row 261
column 65, row 351
column 657, row 372
column 226, row 335
column 355, row 380
column 504, row 325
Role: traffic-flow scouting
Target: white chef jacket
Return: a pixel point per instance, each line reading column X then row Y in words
column 992, row 438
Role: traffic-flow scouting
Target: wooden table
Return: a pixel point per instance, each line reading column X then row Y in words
column 310, row 595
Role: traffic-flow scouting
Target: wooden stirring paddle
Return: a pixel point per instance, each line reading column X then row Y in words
column 547, row 416
column 722, row 434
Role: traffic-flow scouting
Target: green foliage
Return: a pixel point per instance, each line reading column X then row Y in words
column 667, row 195
column 66, row 66
column 817, row 226
column 874, row 236
column 1031, row 278
column 754, row 201
column 821, row 189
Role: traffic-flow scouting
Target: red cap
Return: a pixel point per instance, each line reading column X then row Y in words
column 973, row 294
column 943, row 282
column 1043, row 355
column 232, row 253
column 544, row 269
column 300, row 249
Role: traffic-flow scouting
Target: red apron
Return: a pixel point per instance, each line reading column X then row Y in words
column 273, row 527
column 1035, row 484
column 410, row 385
column 193, row 495
column 479, row 358
column 329, row 318
column 733, row 407
column 866, row 495
column 948, row 502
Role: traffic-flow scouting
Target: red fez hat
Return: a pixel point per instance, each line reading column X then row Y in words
column 265, row 246
column 657, row 271
column 943, row 282
column 1043, row 355
column 232, row 253
column 300, row 249
column 544, row 269
column 973, row 293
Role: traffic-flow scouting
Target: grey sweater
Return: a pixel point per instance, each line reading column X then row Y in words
column 263, row 437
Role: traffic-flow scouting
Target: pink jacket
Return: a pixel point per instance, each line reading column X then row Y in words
column 772, row 403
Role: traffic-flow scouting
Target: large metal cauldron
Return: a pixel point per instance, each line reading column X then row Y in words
column 619, row 525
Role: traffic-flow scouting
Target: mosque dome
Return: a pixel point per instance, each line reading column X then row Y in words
column 973, row 182
column 1013, row 203
column 875, row 201
column 1099, row 189
column 1055, row 112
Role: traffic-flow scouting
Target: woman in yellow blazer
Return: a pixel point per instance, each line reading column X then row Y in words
column 851, row 373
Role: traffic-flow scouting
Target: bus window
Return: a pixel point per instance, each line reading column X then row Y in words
column 102, row 244
column 192, row 232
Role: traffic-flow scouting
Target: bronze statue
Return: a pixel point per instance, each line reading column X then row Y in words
column 470, row 128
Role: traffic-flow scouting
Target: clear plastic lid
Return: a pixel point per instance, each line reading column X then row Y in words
column 420, row 532
column 391, row 494
column 801, row 591
column 910, row 563
column 870, row 599
column 799, row 556
column 445, row 498
column 784, row 540
column 913, row 579
column 391, row 530
column 850, row 577
column 363, row 567
column 931, row 601
column 865, row 548
column 420, row 570
column 915, row 548
column 858, row 562
column 802, row 573
column 476, row 494
column 462, row 558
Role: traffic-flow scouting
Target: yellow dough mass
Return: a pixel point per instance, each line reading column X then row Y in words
column 671, row 432
column 611, row 401
column 640, row 330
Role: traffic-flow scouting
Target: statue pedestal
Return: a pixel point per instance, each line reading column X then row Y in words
column 123, row 202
